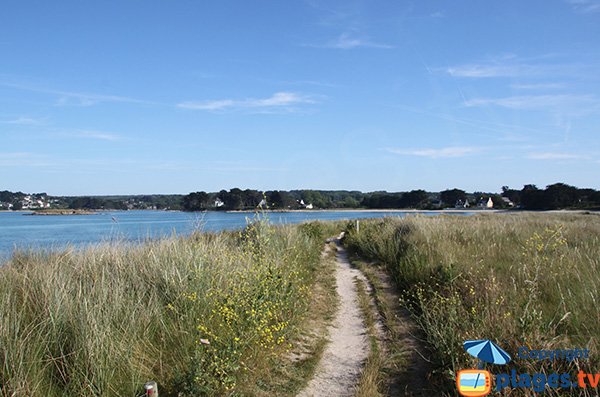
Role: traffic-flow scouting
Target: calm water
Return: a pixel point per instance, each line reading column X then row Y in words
column 22, row 231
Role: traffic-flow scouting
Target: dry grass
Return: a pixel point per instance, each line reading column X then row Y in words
column 519, row 279
column 371, row 382
column 205, row 315
column 289, row 373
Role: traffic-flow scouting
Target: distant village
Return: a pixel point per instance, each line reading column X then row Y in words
column 28, row 202
column 555, row 196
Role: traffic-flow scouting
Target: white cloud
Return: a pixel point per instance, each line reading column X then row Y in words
column 103, row 136
column 585, row 6
column 24, row 121
column 537, row 102
column 346, row 41
column 21, row 159
column 86, row 99
column 447, row 152
column 542, row 66
column 207, row 105
column 279, row 100
column 554, row 156
column 72, row 97
column 481, row 70
column 537, row 86
column 14, row 155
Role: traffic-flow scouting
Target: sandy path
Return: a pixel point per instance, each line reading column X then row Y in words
column 339, row 370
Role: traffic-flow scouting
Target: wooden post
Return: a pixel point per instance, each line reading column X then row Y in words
column 357, row 226
column 151, row 389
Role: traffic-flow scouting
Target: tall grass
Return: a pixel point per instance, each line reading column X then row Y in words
column 201, row 315
column 521, row 280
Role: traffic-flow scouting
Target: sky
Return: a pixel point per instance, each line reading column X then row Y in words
column 140, row 97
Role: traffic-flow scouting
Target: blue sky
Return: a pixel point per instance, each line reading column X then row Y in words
column 126, row 97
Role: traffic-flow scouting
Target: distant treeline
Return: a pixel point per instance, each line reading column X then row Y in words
column 556, row 196
column 137, row 202
column 20, row 200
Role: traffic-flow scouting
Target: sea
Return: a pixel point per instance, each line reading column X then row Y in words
column 22, row 231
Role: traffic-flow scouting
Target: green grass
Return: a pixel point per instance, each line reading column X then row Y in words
column 205, row 315
column 519, row 279
column 291, row 372
column 370, row 382
column 393, row 368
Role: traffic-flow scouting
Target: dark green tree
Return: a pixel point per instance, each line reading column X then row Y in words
column 196, row 201
column 532, row 198
column 279, row 199
column 414, row 199
column 451, row 196
column 511, row 194
column 560, row 195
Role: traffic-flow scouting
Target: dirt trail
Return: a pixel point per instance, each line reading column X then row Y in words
column 339, row 370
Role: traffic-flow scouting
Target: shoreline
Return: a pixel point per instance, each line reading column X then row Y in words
column 355, row 210
column 61, row 212
column 411, row 210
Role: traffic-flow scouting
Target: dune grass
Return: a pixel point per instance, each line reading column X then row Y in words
column 203, row 315
column 519, row 279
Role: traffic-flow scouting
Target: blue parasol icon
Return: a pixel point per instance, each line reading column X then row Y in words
column 487, row 351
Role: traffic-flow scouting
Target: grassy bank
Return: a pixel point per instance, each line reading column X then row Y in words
column 207, row 315
column 519, row 279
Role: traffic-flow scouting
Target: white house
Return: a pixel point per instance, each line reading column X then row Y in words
column 461, row 204
column 306, row 206
column 508, row 202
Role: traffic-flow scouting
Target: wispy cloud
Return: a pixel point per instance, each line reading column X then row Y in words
column 585, row 6
column 14, row 155
column 537, row 86
column 21, row 159
column 509, row 69
column 492, row 129
column 434, row 153
column 208, row 105
column 217, row 167
column 309, row 83
column 563, row 102
column 555, row 156
column 279, row 100
column 482, row 70
column 87, row 99
column 98, row 135
column 542, row 66
column 72, row 97
column 23, row 121
column 347, row 41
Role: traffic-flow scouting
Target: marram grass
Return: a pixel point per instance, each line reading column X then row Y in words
column 520, row 279
column 201, row 315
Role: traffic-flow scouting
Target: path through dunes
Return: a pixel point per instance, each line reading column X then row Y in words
column 339, row 370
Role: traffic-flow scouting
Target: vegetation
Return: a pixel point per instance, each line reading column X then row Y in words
column 556, row 196
column 395, row 365
column 519, row 279
column 371, row 380
column 212, row 314
column 136, row 202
